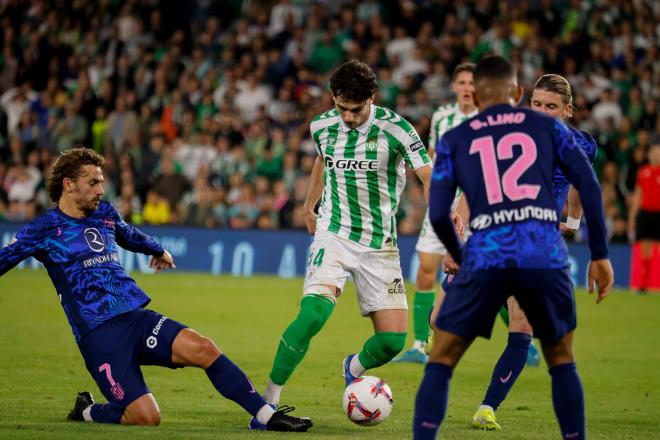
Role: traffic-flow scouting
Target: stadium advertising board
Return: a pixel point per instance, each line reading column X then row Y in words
column 283, row 253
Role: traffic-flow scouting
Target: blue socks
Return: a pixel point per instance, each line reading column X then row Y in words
column 431, row 401
column 106, row 413
column 568, row 400
column 507, row 369
column 232, row 383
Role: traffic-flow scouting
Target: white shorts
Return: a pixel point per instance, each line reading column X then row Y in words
column 428, row 242
column 376, row 272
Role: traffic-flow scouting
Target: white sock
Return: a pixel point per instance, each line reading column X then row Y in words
column 87, row 414
column 264, row 414
column 485, row 407
column 356, row 367
column 419, row 345
column 273, row 391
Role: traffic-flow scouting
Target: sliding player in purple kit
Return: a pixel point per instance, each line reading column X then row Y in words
column 77, row 242
column 504, row 159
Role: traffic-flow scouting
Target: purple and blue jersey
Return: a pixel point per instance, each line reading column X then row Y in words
column 82, row 260
column 560, row 183
column 505, row 160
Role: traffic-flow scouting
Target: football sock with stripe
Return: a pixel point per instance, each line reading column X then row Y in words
column 233, row 384
column 381, row 348
column 431, row 401
column 568, row 401
column 314, row 312
column 508, row 368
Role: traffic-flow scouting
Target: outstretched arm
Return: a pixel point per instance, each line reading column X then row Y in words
column 26, row 244
column 131, row 238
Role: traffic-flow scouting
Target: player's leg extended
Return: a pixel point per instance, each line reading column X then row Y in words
column 315, row 309
column 567, row 391
column 433, row 393
column 422, row 306
column 192, row 349
column 508, row 367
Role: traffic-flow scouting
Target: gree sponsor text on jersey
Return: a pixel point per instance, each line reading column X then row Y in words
column 351, row 164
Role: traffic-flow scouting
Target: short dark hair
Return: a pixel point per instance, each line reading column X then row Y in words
column 463, row 67
column 353, row 81
column 494, row 68
column 69, row 165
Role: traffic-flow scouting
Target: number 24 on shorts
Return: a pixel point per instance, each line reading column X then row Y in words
column 317, row 259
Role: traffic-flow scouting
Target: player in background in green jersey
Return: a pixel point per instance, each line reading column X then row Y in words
column 358, row 176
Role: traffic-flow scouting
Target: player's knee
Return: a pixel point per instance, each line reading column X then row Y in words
column 426, row 277
column 206, row 348
column 520, row 326
column 392, row 343
column 518, row 322
column 148, row 418
column 145, row 415
column 556, row 353
column 152, row 419
column 314, row 312
column 425, row 281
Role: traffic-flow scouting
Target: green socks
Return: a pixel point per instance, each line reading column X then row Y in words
column 381, row 348
column 422, row 306
column 314, row 312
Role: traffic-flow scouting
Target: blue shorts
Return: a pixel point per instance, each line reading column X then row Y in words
column 114, row 351
column 474, row 298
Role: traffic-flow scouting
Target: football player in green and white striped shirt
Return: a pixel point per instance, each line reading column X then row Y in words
column 358, row 176
column 430, row 249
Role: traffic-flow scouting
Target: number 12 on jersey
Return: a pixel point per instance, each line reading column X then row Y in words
column 485, row 147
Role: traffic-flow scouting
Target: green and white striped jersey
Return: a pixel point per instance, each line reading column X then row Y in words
column 364, row 173
column 444, row 119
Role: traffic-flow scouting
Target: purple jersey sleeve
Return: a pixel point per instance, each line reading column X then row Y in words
column 26, row 243
column 441, row 196
column 576, row 167
column 131, row 238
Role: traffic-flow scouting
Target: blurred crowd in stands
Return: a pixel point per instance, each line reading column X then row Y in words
column 201, row 108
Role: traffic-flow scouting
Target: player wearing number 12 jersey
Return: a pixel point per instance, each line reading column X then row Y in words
column 504, row 159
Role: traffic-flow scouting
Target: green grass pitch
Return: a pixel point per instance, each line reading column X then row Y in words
column 617, row 347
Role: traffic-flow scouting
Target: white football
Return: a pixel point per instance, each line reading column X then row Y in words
column 368, row 401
